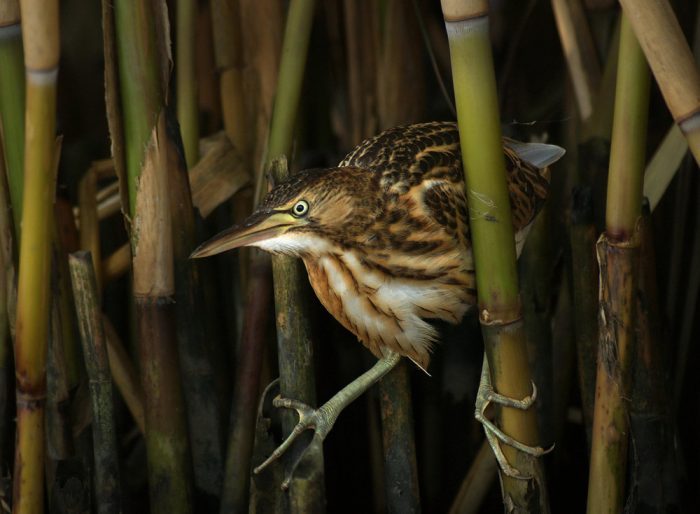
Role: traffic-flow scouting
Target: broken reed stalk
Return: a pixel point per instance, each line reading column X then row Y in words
column 671, row 61
column 617, row 251
column 41, row 52
column 582, row 234
column 186, row 79
column 104, row 436
column 295, row 349
column 143, row 69
column 12, row 102
column 493, row 246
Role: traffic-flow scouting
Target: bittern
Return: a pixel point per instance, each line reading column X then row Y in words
column 386, row 243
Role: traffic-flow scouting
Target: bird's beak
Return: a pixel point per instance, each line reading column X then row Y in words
column 258, row 227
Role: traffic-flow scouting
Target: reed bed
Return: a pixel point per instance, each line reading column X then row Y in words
column 147, row 386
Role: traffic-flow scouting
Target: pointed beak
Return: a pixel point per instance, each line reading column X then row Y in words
column 260, row 226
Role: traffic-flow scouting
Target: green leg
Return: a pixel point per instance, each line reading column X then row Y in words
column 495, row 435
column 321, row 420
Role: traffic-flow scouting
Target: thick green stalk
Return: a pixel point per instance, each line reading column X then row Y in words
column 107, row 482
column 293, row 332
column 187, row 108
column 493, row 245
column 12, row 102
column 618, row 258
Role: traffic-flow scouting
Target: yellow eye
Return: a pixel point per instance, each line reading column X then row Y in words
column 300, row 208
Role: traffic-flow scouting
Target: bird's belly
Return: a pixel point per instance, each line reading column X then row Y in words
column 384, row 312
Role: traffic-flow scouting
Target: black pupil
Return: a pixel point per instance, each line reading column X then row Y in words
column 300, row 208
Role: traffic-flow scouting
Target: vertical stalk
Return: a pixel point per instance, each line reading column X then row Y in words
column 41, row 45
column 186, row 76
column 585, row 297
column 141, row 43
column 107, row 483
column 493, row 245
column 12, row 102
column 400, row 468
column 671, row 61
column 617, row 252
column 295, row 348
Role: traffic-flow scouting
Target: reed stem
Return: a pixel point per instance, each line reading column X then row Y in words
column 493, row 245
column 41, row 45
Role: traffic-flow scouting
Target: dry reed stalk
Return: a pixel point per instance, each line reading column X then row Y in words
column 89, row 221
column 671, row 62
column 579, row 52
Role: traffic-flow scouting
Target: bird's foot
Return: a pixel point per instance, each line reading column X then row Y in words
column 494, row 435
column 320, row 420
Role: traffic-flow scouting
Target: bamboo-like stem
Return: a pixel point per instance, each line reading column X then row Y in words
column 295, row 350
column 671, row 61
column 41, row 45
column 186, row 76
column 12, row 102
column 582, row 235
column 400, row 469
column 617, row 251
column 124, row 374
column 107, row 482
column 493, row 240
column 143, row 66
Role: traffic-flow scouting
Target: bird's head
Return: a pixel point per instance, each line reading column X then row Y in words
column 306, row 214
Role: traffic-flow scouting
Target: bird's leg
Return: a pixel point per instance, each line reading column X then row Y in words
column 495, row 435
column 321, row 420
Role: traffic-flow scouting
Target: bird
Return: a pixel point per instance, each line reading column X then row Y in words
column 385, row 239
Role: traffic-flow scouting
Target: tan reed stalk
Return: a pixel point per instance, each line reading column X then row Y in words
column 671, row 61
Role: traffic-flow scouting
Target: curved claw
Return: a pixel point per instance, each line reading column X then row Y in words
column 308, row 418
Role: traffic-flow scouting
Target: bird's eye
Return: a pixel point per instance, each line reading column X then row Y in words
column 300, row 208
